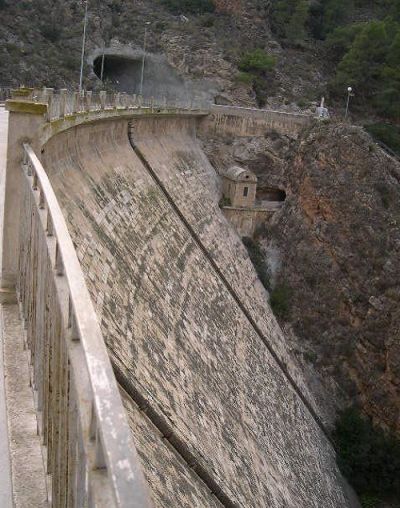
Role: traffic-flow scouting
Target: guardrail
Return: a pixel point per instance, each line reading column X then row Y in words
column 85, row 435
column 5, row 94
column 63, row 103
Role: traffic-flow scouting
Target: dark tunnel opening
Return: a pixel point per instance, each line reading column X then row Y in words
column 271, row 194
column 124, row 74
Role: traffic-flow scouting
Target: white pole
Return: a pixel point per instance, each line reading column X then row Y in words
column 102, row 67
column 143, row 58
column 349, row 90
column 83, row 45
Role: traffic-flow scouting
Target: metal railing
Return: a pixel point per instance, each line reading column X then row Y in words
column 88, row 447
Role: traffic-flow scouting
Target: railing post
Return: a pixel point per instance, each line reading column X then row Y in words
column 75, row 107
column 88, row 101
column 103, row 97
column 63, row 102
column 48, row 98
column 117, row 98
column 25, row 121
column 124, row 100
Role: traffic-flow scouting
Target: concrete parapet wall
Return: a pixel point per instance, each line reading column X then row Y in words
column 246, row 220
column 175, row 331
column 239, row 121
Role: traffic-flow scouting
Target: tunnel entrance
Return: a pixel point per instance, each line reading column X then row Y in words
column 124, row 74
column 271, row 194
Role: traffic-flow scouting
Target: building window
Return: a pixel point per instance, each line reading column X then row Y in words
column 245, row 191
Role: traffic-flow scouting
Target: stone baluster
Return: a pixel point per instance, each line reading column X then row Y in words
column 76, row 99
column 117, row 100
column 124, row 100
column 48, row 98
column 88, row 101
column 103, row 98
column 63, row 102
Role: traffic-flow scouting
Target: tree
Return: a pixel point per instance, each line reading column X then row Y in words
column 296, row 29
column 341, row 39
column 362, row 65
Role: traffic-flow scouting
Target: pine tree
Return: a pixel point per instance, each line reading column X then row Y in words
column 296, row 29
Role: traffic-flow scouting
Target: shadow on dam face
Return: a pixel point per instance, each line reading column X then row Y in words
column 160, row 79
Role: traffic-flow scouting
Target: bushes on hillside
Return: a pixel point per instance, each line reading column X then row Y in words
column 189, row 6
column 255, row 67
column 372, row 67
column 386, row 133
column 368, row 457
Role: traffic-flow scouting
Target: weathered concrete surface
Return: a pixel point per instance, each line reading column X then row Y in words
column 238, row 121
column 28, row 476
column 175, row 333
column 171, row 481
column 3, row 162
column 5, row 463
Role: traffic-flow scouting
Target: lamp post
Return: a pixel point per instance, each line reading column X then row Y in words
column 349, row 94
column 144, row 57
column 83, row 45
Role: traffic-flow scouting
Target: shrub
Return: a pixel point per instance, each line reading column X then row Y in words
column 245, row 77
column 368, row 457
column 279, row 301
column 257, row 61
column 224, row 201
column 189, row 6
column 386, row 133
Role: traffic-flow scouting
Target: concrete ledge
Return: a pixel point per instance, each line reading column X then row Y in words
column 28, row 476
column 8, row 296
column 32, row 108
column 5, row 461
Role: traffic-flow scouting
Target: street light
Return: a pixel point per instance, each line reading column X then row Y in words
column 349, row 94
column 144, row 56
column 83, row 44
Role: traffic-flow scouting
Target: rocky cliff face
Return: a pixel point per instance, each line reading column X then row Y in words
column 335, row 246
column 339, row 242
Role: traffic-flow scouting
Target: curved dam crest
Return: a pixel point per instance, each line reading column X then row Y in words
column 176, row 336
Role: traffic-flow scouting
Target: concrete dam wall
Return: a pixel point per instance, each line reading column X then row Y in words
column 219, row 413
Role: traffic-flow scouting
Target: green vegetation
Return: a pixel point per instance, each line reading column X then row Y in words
column 256, row 61
column 368, row 457
column 387, row 134
column 255, row 67
column 372, row 67
column 279, row 301
column 257, row 257
column 367, row 55
column 224, row 201
column 189, row 6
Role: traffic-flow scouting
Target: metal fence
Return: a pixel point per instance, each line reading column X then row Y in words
column 85, row 435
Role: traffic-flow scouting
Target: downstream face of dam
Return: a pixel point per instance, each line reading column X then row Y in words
column 186, row 322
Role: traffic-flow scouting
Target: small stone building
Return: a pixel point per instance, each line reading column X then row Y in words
column 239, row 186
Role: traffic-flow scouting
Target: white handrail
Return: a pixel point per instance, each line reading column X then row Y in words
column 109, row 435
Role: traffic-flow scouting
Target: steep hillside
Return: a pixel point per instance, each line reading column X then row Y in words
column 333, row 247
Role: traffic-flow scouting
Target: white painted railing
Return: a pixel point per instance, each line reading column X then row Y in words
column 88, row 446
